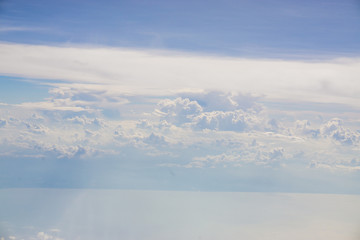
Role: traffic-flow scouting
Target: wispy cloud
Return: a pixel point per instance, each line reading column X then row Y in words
column 20, row 29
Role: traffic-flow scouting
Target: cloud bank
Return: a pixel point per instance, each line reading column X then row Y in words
column 153, row 72
column 167, row 110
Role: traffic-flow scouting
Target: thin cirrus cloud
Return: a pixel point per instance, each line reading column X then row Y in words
column 5, row 29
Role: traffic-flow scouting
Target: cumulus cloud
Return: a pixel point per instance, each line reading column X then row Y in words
column 178, row 111
column 335, row 130
column 62, row 151
column 211, row 128
column 270, row 157
column 303, row 127
column 85, row 121
column 226, row 121
column 48, row 235
column 42, row 135
column 155, row 139
column 36, row 128
column 215, row 160
column 212, row 110
column 223, row 101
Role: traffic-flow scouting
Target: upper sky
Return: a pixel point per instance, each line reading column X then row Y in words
column 277, row 28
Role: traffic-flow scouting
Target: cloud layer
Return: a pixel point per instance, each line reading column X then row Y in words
column 159, row 111
column 226, row 129
column 153, row 72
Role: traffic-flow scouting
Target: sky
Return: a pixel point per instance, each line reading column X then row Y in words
column 179, row 97
column 236, row 28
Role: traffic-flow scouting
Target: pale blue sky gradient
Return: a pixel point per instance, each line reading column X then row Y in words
column 279, row 28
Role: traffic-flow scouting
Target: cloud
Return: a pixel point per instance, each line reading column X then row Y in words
column 47, row 236
column 21, row 29
column 203, row 111
column 52, row 235
column 303, row 127
column 252, row 155
column 226, row 121
column 85, row 97
column 94, row 123
column 344, row 165
column 183, row 126
column 270, row 157
column 178, row 111
column 2, row 123
column 335, row 129
column 222, row 101
column 154, row 139
column 159, row 72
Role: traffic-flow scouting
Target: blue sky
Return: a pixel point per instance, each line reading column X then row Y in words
column 180, row 95
column 281, row 28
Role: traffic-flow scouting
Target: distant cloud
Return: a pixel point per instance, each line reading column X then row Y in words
column 249, row 155
column 304, row 127
column 70, row 124
column 182, row 110
column 2, row 122
column 133, row 71
column 335, row 129
column 222, row 101
column 212, row 110
column 20, row 29
column 227, row 121
column 178, row 111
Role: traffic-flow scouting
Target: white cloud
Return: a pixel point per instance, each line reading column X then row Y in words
column 304, row 127
column 94, row 123
column 335, row 129
column 342, row 165
column 51, row 235
column 20, row 29
column 47, row 236
column 178, row 111
column 158, row 72
column 222, row 101
column 227, row 121
column 36, row 128
column 256, row 155
column 86, row 96
column 204, row 112
column 183, row 126
column 155, row 139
